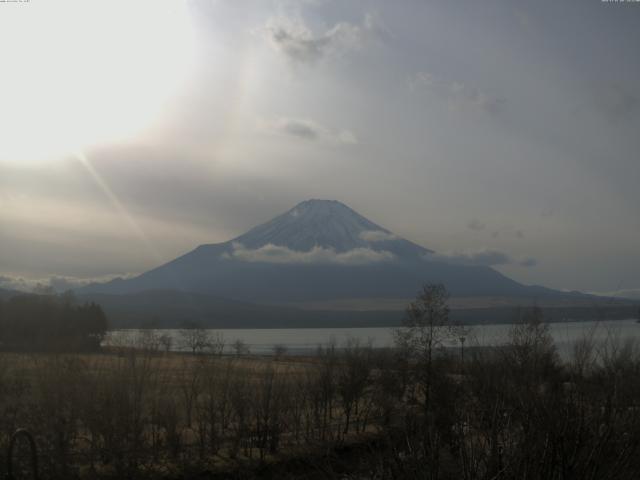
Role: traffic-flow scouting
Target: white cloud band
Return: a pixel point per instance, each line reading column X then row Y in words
column 318, row 255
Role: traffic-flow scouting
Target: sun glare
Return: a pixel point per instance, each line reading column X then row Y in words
column 79, row 72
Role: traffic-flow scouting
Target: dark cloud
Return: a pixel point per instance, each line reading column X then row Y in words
column 300, row 129
column 310, row 130
column 548, row 211
column 475, row 224
column 617, row 103
column 528, row 262
column 298, row 43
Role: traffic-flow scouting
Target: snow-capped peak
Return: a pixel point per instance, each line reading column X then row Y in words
column 326, row 224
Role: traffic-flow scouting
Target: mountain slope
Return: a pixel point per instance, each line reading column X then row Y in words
column 5, row 294
column 318, row 250
column 171, row 309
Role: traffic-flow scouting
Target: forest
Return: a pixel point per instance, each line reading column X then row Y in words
column 30, row 322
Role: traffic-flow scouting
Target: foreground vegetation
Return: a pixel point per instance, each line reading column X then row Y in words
column 412, row 412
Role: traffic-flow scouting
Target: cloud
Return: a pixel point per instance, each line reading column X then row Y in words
column 310, row 130
column 56, row 283
column 528, row 262
column 632, row 293
column 299, row 128
column 482, row 257
column 616, row 103
column 63, row 283
column 318, row 255
column 17, row 283
column 283, row 4
column 375, row 28
column 509, row 230
column 376, row 236
column 475, row 224
column 294, row 39
column 458, row 95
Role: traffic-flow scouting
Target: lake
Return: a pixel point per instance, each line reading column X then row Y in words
column 301, row 341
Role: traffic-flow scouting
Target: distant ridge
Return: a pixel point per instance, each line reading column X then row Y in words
column 172, row 309
column 4, row 293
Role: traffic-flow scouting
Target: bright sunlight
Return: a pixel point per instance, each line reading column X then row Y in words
column 77, row 72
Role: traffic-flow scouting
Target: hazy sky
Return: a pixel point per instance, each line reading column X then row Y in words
column 504, row 130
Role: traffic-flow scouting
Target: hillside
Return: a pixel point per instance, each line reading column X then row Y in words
column 172, row 309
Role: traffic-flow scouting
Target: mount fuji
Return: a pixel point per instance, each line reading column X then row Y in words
column 320, row 250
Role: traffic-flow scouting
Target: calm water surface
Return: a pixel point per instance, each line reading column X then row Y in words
column 300, row 341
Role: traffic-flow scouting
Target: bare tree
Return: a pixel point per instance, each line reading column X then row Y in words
column 217, row 344
column 166, row 341
column 148, row 340
column 240, row 347
column 195, row 338
column 279, row 351
column 531, row 350
column 425, row 328
column 190, row 383
column 353, row 378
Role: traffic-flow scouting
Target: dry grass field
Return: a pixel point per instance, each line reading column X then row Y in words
column 131, row 412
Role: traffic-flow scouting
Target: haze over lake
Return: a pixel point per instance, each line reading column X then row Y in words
column 301, row 341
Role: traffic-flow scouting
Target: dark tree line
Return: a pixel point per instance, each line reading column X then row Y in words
column 50, row 322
